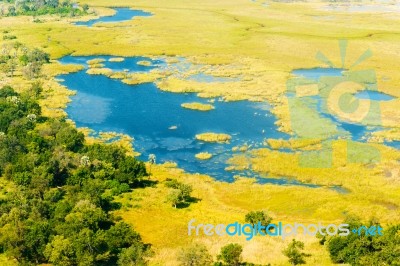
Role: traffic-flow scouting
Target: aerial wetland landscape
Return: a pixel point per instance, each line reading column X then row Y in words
column 131, row 131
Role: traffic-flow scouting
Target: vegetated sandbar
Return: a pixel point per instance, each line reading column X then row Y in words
column 203, row 156
column 144, row 63
column 198, row 106
column 116, row 59
column 214, row 137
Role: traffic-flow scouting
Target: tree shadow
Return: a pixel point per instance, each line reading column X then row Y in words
column 186, row 204
column 144, row 183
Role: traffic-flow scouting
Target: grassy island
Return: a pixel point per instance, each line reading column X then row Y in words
column 198, row 106
column 214, row 137
column 203, row 156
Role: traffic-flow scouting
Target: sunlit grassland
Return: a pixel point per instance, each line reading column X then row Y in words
column 166, row 227
column 370, row 176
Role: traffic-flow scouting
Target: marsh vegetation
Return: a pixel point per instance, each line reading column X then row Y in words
column 52, row 174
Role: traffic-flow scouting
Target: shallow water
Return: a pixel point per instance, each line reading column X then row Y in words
column 373, row 95
column 393, row 144
column 147, row 113
column 318, row 72
column 122, row 14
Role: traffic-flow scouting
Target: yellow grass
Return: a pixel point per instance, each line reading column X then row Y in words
column 116, row 59
column 213, row 137
column 226, row 203
column 203, row 156
column 144, row 63
column 294, row 144
column 95, row 61
column 198, row 106
column 99, row 71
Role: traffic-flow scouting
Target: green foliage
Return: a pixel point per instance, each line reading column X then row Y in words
column 9, row 37
column 255, row 217
column 85, row 7
column 231, row 254
column 135, row 255
column 17, row 56
column 179, row 194
column 195, row 255
column 43, row 7
column 360, row 249
column 59, row 212
column 294, row 252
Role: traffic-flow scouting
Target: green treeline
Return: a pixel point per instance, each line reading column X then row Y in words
column 57, row 209
column 43, row 7
column 365, row 249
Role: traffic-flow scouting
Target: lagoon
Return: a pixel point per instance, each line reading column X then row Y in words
column 160, row 125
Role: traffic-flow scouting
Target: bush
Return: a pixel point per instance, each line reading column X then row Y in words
column 9, row 37
column 195, row 255
column 255, row 217
column 294, row 253
column 231, row 254
column 357, row 249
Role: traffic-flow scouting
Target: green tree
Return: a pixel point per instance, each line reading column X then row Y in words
column 231, row 254
column 174, row 197
column 12, row 11
column 60, row 251
column 294, row 252
column 135, row 255
column 195, row 255
column 255, row 217
column 85, row 7
column 362, row 249
column 180, row 193
column 70, row 138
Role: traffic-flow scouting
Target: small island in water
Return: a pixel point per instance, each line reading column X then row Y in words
column 197, row 106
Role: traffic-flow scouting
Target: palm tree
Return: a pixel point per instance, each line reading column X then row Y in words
column 152, row 160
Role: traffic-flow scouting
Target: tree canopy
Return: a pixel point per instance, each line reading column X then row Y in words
column 59, row 209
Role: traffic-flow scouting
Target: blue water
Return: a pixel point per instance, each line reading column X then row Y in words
column 373, row 95
column 318, row 72
column 147, row 114
column 122, row 14
column 393, row 144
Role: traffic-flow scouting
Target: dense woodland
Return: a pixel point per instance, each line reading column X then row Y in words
column 363, row 249
column 57, row 207
column 43, row 7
